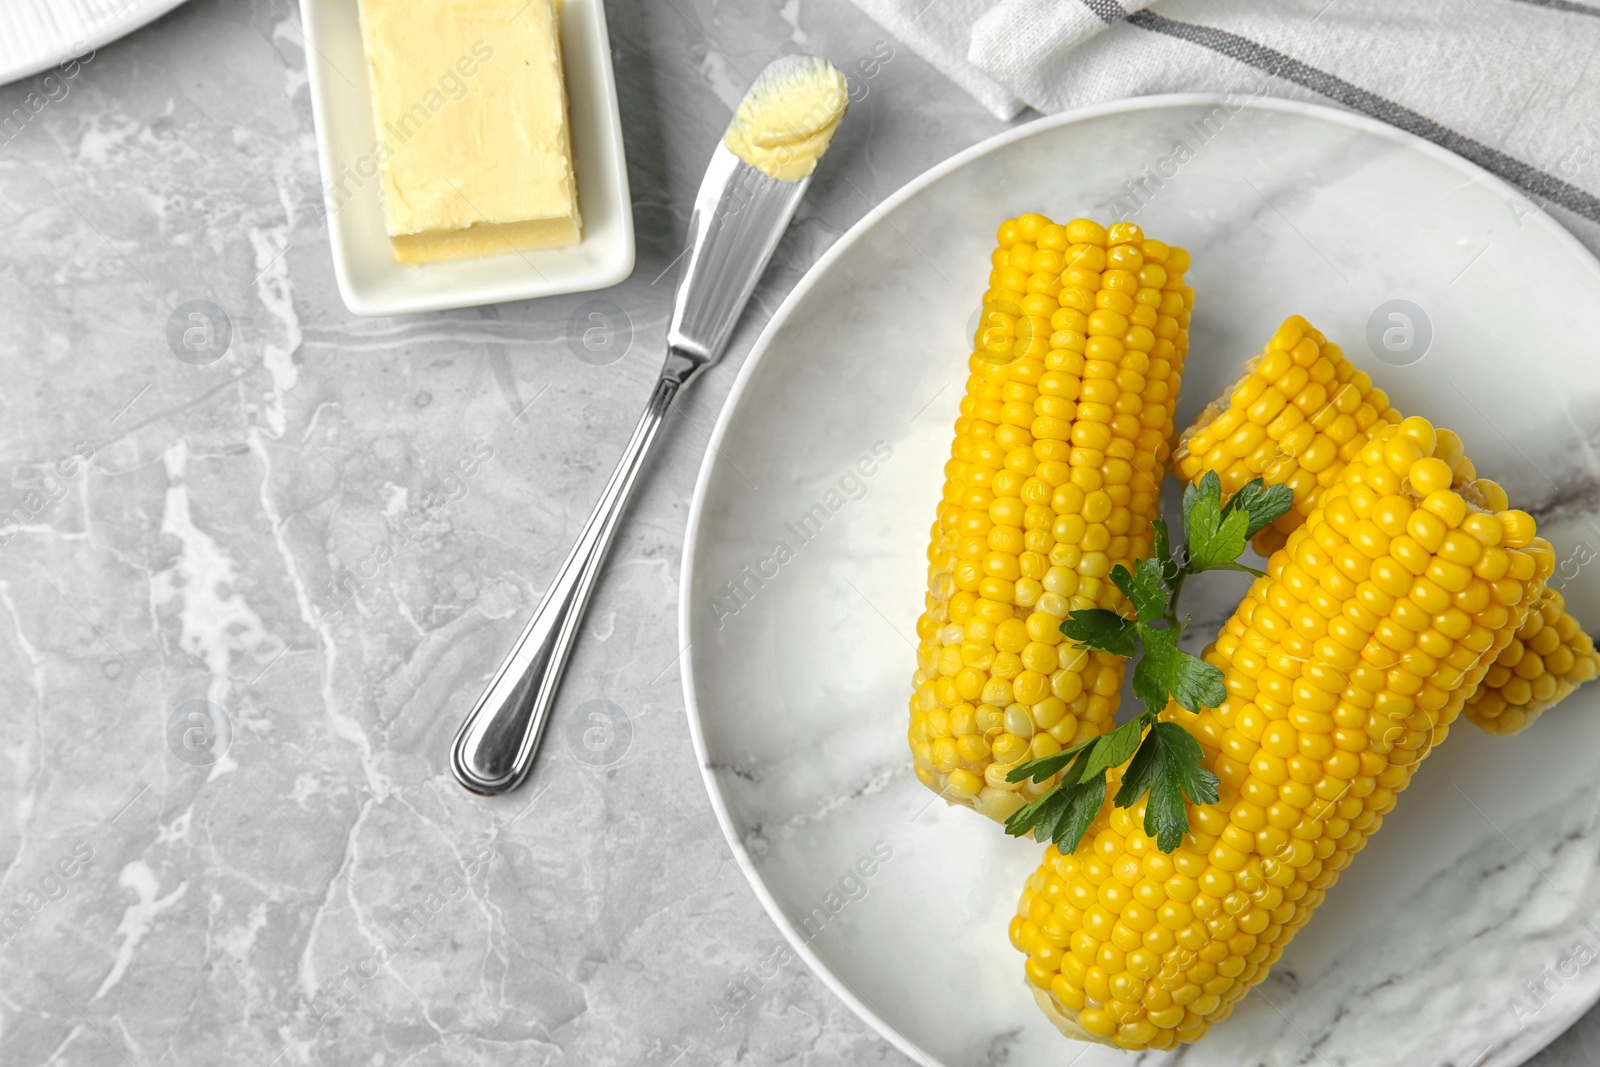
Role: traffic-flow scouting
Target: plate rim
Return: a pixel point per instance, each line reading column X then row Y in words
column 763, row 342
column 132, row 18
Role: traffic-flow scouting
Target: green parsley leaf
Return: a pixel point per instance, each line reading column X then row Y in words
column 1038, row 815
column 1101, row 630
column 1143, row 588
column 1263, row 505
column 1083, row 804
column 1166, row 671
column 1167, row 766
column 1115, row 747
column 1199, row 785
column 1162, row 547
column 1207, row 493
column 1215, row 539
column 1136, row 780
column 1043, row 767
column 1062, row 815
column 1151, row 673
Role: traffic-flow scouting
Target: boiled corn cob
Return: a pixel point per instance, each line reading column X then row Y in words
column 1344, row 666
column 1294, row 417
column 1549, row 658
column 1053, row 479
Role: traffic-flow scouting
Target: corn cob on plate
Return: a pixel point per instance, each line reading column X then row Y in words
column 796, row 679
column 1295, row 418
column 1054, row 479
column 1342, row 674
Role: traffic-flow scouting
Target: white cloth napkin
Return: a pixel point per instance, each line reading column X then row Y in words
column 1512, row 85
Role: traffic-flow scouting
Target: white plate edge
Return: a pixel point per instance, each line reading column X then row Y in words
column 120, row 26
column 759, row 349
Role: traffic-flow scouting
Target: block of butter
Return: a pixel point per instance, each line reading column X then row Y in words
column 470, row 108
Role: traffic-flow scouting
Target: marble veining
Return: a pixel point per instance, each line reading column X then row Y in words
column 244, row 598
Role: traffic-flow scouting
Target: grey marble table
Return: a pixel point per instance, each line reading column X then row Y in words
column 246, row 602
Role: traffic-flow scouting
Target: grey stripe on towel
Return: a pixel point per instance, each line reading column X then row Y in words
column 1540, row 185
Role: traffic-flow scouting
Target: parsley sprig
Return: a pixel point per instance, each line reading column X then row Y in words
column 1165, row 758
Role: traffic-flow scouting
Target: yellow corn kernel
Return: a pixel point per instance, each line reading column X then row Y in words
column 1437, row 518
column 1147, row 950
column 1053, row 480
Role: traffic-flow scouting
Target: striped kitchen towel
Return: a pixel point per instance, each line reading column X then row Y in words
column 1512, row 85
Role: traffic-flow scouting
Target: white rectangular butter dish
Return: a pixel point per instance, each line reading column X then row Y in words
column 370, row 280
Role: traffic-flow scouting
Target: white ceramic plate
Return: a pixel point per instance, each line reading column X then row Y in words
column 35, row 34
column 370, row 281
column 1481, row 883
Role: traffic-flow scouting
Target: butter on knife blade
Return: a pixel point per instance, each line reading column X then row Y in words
column 786, row 120
column 471, row 113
